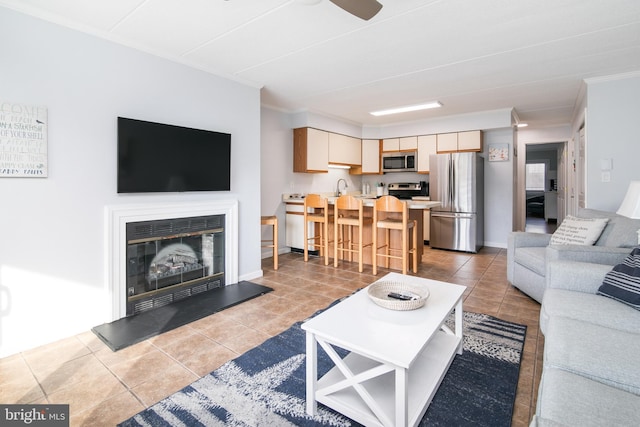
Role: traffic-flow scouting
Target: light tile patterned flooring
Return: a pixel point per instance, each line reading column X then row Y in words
column 104, row 388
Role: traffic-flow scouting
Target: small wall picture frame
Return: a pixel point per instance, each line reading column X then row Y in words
column 499, row 152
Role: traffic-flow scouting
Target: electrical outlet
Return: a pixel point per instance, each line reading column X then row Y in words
column 606, row 176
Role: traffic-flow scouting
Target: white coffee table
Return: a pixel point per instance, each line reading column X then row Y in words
column 398, row 358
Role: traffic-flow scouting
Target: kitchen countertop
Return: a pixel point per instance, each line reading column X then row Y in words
column 367, row 201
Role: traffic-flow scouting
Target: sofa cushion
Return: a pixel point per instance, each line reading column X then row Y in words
column 537, row 421
column 606, row 355
column 532, row 257
column 569, row 399
column 622, row 283
column 588, row 308
column 578, row 231
column 620, row 232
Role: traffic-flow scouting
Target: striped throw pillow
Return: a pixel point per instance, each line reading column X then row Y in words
column 622, row 283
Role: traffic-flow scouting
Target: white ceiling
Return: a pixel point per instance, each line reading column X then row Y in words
column 471, row 55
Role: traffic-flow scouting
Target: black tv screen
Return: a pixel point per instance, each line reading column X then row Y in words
column 156, row 157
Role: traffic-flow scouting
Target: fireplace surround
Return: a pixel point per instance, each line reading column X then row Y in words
column 121, row 217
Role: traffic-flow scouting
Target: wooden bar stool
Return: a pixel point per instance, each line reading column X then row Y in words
column 348, row 212
column 271, row 243
column 316, row 211
column 400, row 221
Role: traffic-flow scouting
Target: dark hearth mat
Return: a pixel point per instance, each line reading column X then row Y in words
column 134, row 329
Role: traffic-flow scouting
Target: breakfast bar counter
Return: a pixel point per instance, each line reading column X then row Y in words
column 295, row 212
column 367, row 202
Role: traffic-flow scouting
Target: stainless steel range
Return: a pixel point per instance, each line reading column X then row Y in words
column 407, row 190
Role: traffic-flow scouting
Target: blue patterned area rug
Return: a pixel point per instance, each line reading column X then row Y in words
column 266, row 385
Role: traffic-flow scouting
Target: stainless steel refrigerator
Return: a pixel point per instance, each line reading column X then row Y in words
column 457, row 180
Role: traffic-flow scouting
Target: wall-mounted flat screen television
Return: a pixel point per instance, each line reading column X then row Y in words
column 156, row 157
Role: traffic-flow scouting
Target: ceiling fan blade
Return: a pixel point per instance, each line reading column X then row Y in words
column 364, row 9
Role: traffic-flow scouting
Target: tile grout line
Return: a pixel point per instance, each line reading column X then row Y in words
column 33, row 374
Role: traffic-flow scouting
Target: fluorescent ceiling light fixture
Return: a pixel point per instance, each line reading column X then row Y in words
column 522, row 125
column 426, row 106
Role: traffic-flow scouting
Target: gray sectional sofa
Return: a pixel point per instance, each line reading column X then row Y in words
column 529, row 253
column 591, row 368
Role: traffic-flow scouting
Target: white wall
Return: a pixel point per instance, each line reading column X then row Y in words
column 335, row 125
column 276, row 146
column 498, row 190
column 52, row 243
column 613, row 109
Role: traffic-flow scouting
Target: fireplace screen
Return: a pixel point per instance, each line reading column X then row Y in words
column 168, row 260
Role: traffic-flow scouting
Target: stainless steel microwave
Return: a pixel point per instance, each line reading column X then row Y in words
column 404, row 161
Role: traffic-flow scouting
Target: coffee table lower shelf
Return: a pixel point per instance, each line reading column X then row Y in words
column 423, row 378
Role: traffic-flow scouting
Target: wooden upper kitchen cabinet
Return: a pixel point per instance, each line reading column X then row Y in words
column 310, row 150
column 407, row 143
column 426, row 147
column 460, row 141
column 344, row 150
column 447, row 142
column 391, row 144
column 370, row 157
column 470, row 141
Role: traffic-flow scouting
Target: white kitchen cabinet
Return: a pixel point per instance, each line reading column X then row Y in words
column 370, row 156
column 294, row 226
column 391, row 144
column 345, row 150
column 400, row 144
column 427, row 145
column 470, row 141
column 447, row 142
column 459, row 141
column 408, row 143
column 310, row 150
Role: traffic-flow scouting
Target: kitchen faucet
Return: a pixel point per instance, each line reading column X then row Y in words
column 338, row 186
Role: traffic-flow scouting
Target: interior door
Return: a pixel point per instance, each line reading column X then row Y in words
column 562, row 181
column 580, row 173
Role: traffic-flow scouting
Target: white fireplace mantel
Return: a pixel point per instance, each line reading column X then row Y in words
column 117, row 217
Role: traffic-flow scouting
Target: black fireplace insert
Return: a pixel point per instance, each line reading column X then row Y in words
column 172, row 259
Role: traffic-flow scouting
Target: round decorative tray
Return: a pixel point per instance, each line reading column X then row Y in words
column 416, row 295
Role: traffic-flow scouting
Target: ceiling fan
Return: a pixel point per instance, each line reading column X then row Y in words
column 363, row 9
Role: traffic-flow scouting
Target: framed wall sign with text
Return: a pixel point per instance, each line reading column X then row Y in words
column 23, row 140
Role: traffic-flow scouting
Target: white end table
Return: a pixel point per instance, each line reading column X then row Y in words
column 398, row 358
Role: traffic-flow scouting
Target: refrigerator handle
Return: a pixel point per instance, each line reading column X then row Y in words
column 452, row 180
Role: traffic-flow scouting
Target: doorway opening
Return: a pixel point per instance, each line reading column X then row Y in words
column 542, row 172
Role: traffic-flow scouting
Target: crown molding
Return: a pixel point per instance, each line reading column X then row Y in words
column 612, row 77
